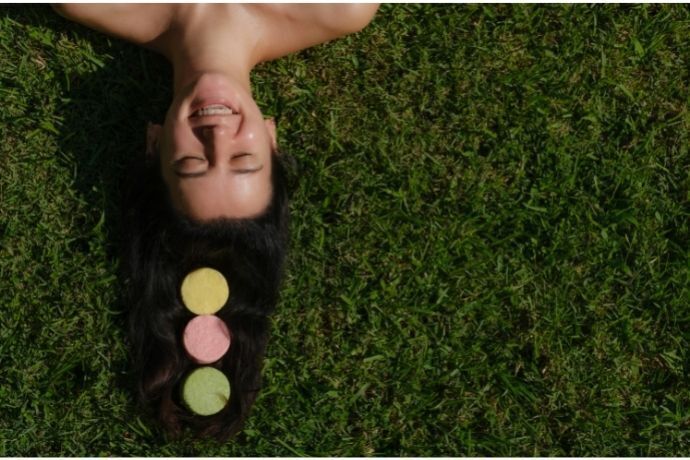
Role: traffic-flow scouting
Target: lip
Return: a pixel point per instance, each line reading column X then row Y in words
column 229, row 121
column 206, row 102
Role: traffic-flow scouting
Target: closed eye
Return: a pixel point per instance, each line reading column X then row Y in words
column 183, row 165
column 187, row 160
column 248, row 170
column 203, row 173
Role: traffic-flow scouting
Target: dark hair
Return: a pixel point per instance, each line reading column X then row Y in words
column 160, row 247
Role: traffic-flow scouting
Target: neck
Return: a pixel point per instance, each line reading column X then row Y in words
column 198, row 46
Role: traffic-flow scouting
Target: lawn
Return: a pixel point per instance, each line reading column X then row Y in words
column 490, row 236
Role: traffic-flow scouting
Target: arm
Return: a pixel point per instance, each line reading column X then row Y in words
column 141, row 24
column 296, row 27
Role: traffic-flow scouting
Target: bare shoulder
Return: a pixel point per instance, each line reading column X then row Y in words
column 294, row 27
column 138, row 23
column 338, row 17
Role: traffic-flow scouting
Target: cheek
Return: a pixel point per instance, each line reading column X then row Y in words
column 179, row 139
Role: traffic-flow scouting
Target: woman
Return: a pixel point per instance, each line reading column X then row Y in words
column 212, row 188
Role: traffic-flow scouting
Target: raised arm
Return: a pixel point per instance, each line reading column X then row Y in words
column 294, row 27
column 138, row 23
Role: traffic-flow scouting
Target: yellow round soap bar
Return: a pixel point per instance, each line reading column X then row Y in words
column 204, row 291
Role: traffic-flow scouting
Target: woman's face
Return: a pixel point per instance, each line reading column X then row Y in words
column 215, row 151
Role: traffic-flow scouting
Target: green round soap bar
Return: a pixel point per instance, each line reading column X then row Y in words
column 206, row 391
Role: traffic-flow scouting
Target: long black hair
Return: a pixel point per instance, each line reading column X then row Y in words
column 160, row 246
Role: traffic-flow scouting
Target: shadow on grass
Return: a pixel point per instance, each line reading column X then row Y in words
column 104, row 115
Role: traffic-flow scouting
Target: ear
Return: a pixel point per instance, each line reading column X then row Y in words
column 153, row 137
column 271, row 127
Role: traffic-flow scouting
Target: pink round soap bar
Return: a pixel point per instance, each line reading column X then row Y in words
column 206, row 338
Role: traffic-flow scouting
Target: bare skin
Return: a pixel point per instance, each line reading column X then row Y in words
column 216, row 162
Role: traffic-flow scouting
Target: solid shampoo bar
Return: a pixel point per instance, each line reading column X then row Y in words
column 204, row 291
column 206, row 338
column 206, row 391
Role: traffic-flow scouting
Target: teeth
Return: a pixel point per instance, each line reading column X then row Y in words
column 216, row 109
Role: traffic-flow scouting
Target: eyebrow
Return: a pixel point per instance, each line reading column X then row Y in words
column 203, row 173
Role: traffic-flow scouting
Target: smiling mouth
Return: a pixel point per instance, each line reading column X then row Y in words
column 214, row 110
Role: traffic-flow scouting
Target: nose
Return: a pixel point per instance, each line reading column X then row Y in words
column 219, row 131
column 219, row 138
column 219, row 126
column 212, row 133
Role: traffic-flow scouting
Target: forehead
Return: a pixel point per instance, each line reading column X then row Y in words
column 222, row 195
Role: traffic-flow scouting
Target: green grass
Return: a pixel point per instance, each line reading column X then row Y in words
column 490, row 236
